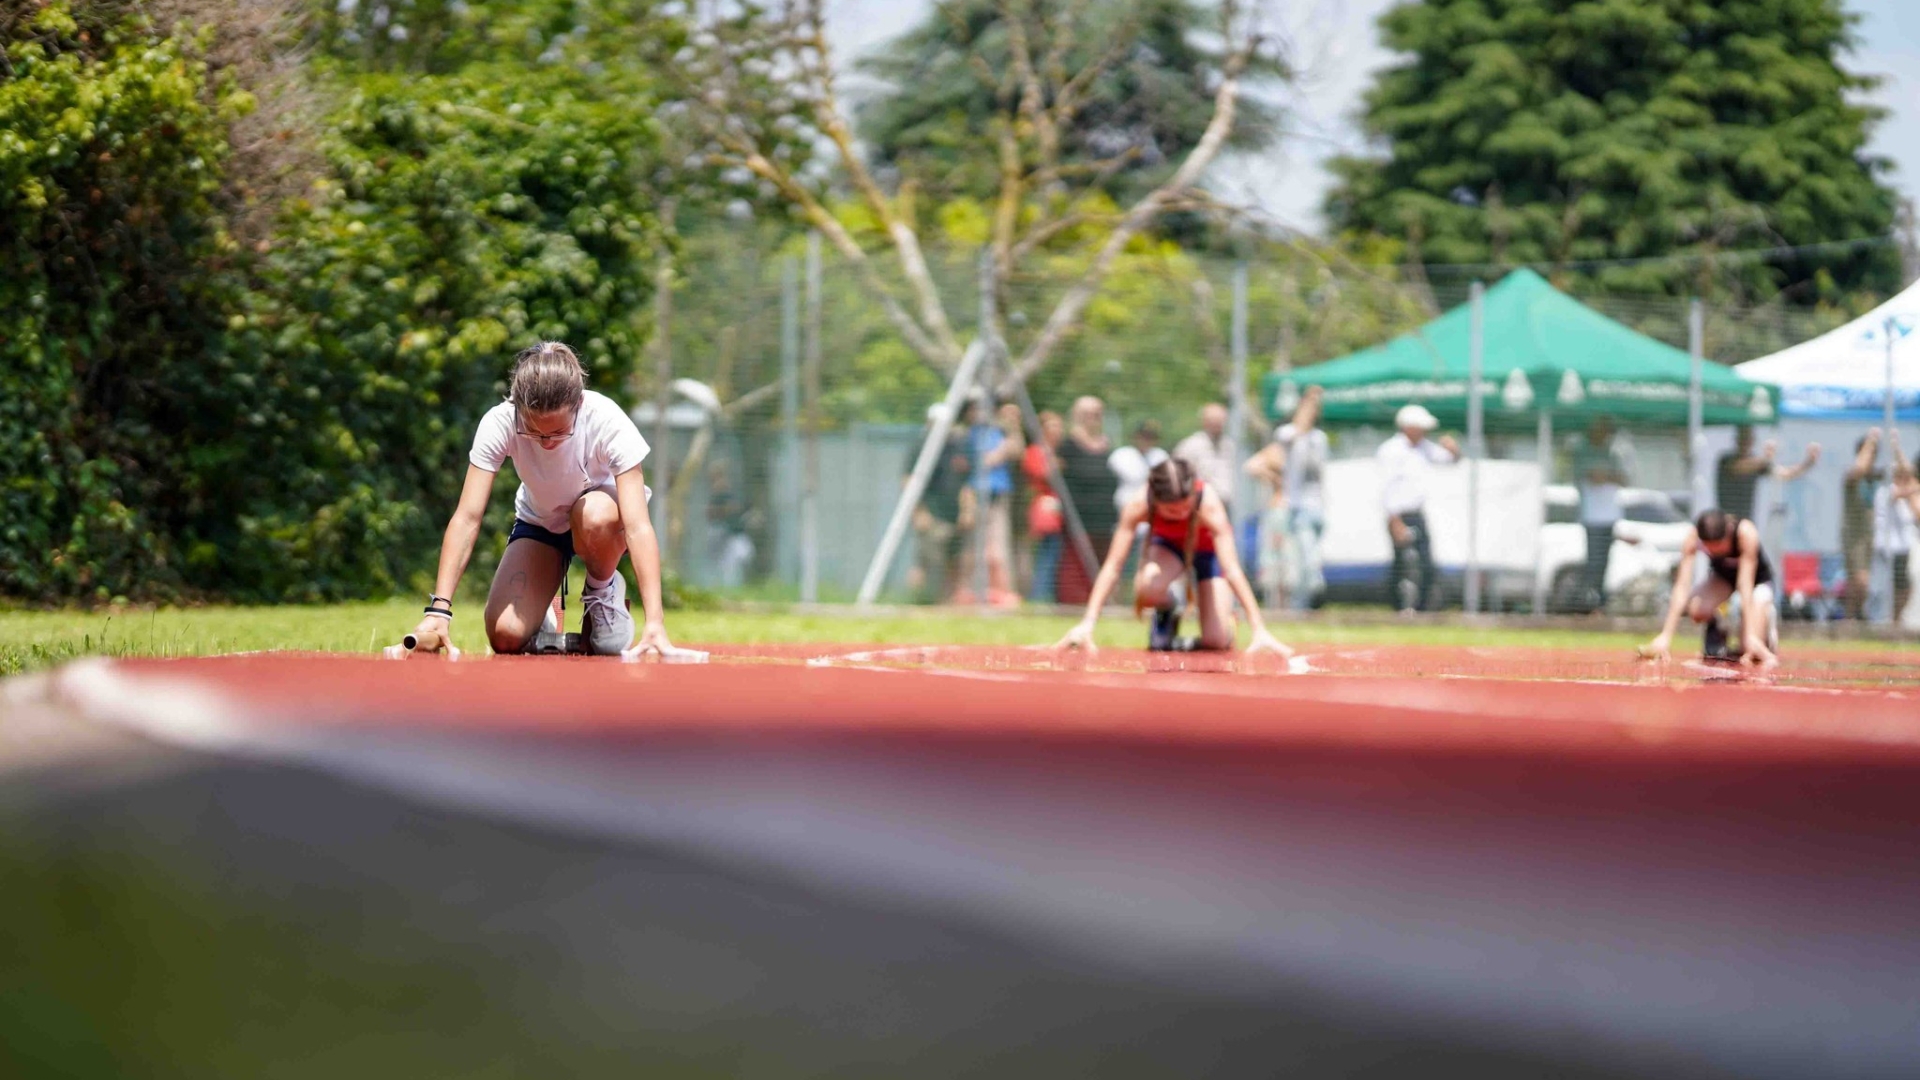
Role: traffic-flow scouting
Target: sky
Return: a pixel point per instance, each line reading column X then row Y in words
column 1338, row 50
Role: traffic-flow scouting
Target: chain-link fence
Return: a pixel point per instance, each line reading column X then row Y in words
column 785, row 469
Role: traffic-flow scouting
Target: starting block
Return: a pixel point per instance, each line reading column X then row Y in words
column 555, row 643
column 552, row 639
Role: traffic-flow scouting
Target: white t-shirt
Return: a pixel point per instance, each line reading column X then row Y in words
column 605, row 443
column 1405, row 472
column 1306, row 459
column 1131, row 467
column 1894, row 529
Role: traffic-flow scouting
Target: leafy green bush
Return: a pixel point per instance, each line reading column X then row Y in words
column 465, row 216
column 288, row 421
column 111, row 143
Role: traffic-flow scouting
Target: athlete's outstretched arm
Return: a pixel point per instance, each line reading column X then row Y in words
column 630, row 494
column 1227, row 550
column 1786, row 473
column 456, row 545
column 1081, row 636
column 1677, row 600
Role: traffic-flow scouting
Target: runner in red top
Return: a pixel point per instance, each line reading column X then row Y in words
column 1190, row 552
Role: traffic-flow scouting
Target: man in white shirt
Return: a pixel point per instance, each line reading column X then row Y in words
column 1894, row 537
column 1600, row 473
column 1305, row 445
column 1406, row 467
column 1132, row 463
column 1210, row 451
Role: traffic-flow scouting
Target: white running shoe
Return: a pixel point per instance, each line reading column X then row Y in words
column 606, row 624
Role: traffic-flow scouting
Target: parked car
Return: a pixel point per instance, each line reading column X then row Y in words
column 1646, row 548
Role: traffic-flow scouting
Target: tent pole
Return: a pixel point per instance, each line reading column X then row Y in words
column 1476, row 446
column 1544, row 452
column 1697, row 407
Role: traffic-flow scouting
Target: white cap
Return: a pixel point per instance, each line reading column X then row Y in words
column 1415, row 416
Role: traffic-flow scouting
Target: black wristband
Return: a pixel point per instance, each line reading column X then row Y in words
column 442, row 612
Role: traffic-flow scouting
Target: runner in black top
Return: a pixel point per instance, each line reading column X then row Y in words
column 1726, row 567
column 1736, row 566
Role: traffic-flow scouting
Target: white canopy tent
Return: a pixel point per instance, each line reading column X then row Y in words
column 1861, row 371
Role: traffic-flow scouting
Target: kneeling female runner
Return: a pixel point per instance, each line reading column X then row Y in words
column 1190, row 549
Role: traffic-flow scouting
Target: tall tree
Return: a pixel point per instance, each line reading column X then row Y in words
column 1140, row 109
column 757, row 74
column 1563, row 132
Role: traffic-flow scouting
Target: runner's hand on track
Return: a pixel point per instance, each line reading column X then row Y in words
column 1080, row 637
column 1265, row 642
column 653, row 640
column 1754, row 653
column 1657, row 649
column 433, row 624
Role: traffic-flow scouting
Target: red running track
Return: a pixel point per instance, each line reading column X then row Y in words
column 1646, row 872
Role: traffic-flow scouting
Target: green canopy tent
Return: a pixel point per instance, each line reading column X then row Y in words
column 1546, row 358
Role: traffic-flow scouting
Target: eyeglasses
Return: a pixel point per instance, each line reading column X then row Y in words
column 558, row 437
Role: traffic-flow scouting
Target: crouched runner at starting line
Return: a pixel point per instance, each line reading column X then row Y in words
column 1736, row 566
column 1189, row 552
column 581, row 494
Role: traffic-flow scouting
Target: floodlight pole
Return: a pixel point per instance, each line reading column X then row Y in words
column 982, row 494
column 1476, row 444
column 660, row 468
column 810, row 397
column 789, row 387
column 1237, row 392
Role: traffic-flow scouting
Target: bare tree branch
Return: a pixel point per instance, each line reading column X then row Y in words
column 832, row 122
column 1066, row 314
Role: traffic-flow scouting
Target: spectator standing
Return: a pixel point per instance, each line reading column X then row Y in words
column 944, row 514
column 727, row 515
column 1291, row 465
column 1211, row 452
column 1090, row 484
column 1893, row 541
column 1739, row 472
column 1406, row 466
column 1856, row 521
column 994, row 446
column 1600, row 474
column 1306, row 450
column 1270, row 557
column 1046, row 521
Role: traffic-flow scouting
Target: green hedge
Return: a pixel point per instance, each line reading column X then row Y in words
column 182, row 417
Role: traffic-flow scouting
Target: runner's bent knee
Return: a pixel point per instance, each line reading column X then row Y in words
column 506, row 633
column 595, row 513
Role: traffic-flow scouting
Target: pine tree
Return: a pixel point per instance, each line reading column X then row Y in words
column 1560, row 131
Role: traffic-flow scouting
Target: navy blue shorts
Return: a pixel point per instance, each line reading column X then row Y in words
column 560, row 542
column 1206, row 564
